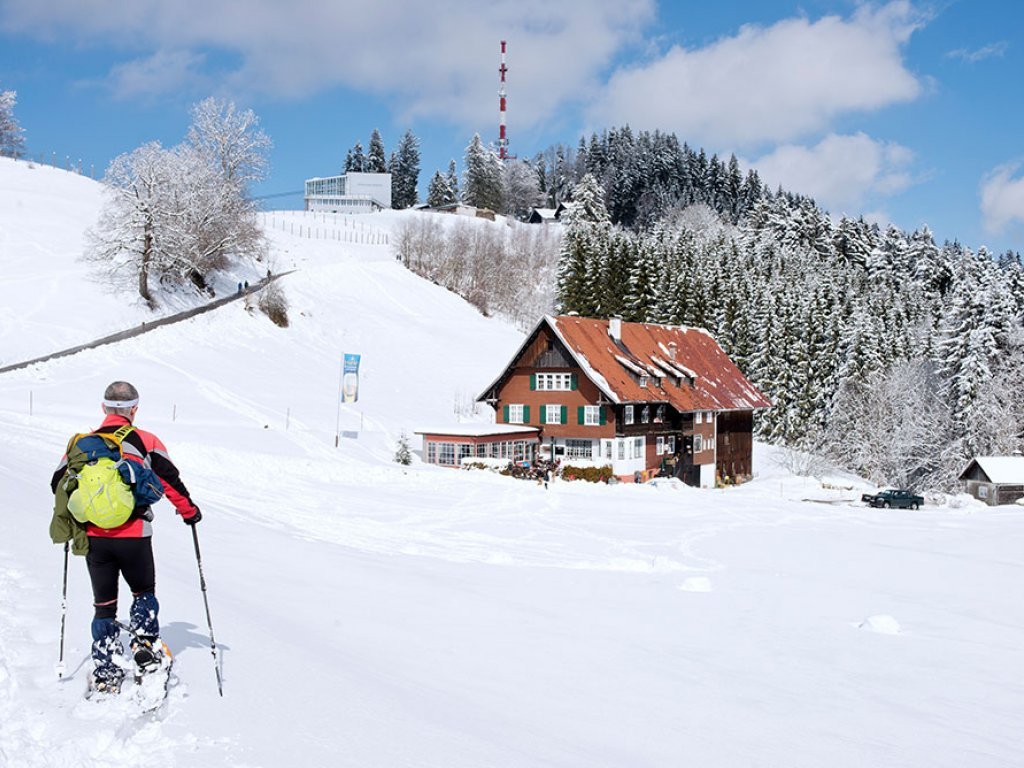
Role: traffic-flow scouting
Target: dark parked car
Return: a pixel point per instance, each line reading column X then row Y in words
column 899, row 498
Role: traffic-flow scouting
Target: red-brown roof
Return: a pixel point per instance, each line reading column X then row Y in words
column 717, row 386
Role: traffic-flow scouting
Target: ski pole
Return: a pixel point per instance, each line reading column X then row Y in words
column 202, row 586
column 63, row 613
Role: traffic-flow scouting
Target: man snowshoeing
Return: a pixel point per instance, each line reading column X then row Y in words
column 123, row 549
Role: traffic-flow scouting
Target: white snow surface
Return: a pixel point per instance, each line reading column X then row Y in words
column 369, row 614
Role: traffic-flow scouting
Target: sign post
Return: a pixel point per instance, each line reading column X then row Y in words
column 348, row 388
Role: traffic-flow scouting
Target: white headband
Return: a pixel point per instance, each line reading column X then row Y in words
column 121, row 403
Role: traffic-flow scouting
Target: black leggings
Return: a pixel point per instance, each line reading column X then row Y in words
column 109, row 557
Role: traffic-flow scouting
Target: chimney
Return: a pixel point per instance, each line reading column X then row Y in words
column 615, row 328
column 672, row 347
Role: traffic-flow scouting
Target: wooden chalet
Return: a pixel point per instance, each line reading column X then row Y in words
column 646, row 399
column 995, row 479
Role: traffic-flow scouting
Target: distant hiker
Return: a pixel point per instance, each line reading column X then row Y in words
column 247, row 285
column 239, row 287
column 547, row 477
column 118, row 543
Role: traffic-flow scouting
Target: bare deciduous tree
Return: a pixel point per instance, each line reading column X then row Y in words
column 507, row 270
column 177, row 215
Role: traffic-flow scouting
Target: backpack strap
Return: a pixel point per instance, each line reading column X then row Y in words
column 121, row 434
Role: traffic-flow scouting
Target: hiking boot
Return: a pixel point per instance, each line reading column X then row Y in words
column 148, row 651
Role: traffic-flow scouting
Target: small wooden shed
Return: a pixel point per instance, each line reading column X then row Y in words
column 995, row 479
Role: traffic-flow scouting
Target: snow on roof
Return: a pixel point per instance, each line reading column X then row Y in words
column 718, row 385
column 677, row 370
column 631, row 366
column 477, row 430
column 1002, row 469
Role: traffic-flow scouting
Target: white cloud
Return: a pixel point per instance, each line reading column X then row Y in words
column 435, row 59
column 996, row 50
column 161, row 73
column 839, row 172
column 1002, row 198
column 768, row 84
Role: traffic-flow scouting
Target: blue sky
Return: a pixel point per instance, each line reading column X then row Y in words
column 902, row 111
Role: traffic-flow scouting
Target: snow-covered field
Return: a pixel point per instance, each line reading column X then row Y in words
column 374, row 615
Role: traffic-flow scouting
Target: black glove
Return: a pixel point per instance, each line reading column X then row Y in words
column 194, row 519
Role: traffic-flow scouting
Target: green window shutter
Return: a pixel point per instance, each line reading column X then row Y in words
column 526, row 414
column 504, row 414
column 533, row 382
column 574, row 382
column 604, row 416
column 565, row 415
column 580, row 417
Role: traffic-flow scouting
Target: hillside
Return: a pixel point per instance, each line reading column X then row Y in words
column 370, row 614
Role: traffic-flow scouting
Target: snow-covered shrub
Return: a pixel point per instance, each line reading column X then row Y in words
column 274, row 304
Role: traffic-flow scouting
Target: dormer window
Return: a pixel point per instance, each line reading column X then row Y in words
column 643, row 381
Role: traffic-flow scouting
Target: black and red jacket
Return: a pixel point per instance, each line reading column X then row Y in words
column 147, row 449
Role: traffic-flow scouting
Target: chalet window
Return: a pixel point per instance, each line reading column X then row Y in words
column 591, row 415
column 638, row 448
column 671, row 444
column 627, row 417
column 481, row 449
column 431, row 452
column 660, row 446
column 697, row 417
column 517, row 413
column 698, row 443
column 707, row 417
column 553, row 414
column 446, row 453
column 579, row 449
column 645, row 414
column 622, row 449
column 608, row 449
column 659, row 415
column 465, row 451
column 552, row 382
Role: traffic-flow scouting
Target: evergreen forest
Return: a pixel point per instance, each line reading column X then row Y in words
column 885, row 352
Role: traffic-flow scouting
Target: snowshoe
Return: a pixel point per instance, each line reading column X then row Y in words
column 146, row 652
column 150, row 655
column 152, row 664
column 104, row 683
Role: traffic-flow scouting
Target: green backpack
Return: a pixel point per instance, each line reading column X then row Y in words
column 93, row 489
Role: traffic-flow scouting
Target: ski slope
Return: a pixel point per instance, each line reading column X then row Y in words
column 370, row 614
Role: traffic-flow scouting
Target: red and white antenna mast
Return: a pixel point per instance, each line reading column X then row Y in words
column 502, row 138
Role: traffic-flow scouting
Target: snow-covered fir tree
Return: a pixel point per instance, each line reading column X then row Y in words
column 355, row 160
column 405, row 172
column 482, row 176
column 439, row 192
column 452, row 177
column 376, row 158
column 12, row 138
